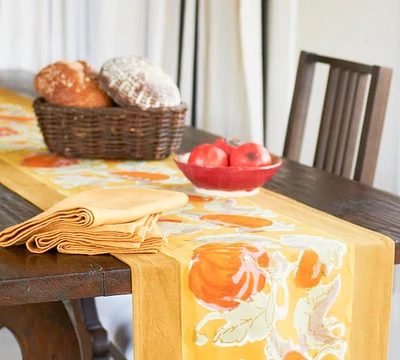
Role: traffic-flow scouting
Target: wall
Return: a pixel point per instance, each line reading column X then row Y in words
column 360, row 30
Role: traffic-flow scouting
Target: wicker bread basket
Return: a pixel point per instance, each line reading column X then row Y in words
column 111, row 133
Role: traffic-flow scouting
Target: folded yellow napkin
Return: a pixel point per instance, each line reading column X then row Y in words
column 119, row 237
column 98, row 221
column 152, row 243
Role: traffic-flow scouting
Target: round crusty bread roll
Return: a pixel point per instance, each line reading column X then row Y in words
column 71, row 83
column 135, row 81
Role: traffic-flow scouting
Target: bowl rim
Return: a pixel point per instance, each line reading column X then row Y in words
column 274, row 165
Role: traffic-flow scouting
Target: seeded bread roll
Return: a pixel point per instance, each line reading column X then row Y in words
column 135, row 81
column 71, row 83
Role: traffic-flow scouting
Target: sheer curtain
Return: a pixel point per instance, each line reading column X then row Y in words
column 230, row 69
column 34, row 33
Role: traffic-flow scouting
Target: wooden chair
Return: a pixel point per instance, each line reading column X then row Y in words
column 341, row 115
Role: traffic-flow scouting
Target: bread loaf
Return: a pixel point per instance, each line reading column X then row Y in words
column 135, row 81
column 71, row 83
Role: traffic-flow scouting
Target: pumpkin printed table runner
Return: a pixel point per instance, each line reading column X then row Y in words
column 262, row 277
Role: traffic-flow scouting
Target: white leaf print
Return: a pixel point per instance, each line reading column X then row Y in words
column 267, row 243
column 71, row 181
column 182, row 210
column 315, row 330
column 249, row 322
column 229, row 206
column 277, row 277
column 276, row 226
column 170, row 228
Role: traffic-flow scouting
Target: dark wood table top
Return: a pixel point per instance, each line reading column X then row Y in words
column 29, row 278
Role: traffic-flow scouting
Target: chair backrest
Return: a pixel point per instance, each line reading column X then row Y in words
column 341, row 115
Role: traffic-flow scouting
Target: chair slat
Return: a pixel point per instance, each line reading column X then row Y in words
column 354, row 123
column 327, row 112
column 299, row 109
column 373, row 124
column 337, row 117
column 344, row 126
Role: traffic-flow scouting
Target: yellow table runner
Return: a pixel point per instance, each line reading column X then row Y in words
column 262, row 277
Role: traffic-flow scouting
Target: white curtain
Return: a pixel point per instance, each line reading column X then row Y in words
column 34, row 33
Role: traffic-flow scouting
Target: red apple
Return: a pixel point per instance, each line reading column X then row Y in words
column 208, row 155
column 250, row 155
column 228, row 144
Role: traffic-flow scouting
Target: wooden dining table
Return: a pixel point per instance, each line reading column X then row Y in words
column 32, row 285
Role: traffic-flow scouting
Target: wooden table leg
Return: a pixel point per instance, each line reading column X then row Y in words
column 48, row 331
column 94, row 338
column 90, row 330
column 43, row 331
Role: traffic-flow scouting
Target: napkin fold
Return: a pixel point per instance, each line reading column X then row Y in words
column 98, row 221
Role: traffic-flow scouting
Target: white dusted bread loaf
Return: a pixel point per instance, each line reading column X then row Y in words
column 135, row 81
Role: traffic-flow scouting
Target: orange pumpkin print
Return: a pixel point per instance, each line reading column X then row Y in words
column 48, row 161
column 199, row 199
column 237, row 220
column 6, row 131
column 222, row 274
column 308, row 273
column 294, row 355
column 16, row 117
column 141, row 175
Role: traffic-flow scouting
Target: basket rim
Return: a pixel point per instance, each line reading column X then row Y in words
column 40, row 101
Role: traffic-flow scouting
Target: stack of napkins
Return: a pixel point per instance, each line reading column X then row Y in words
column 98, row 221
